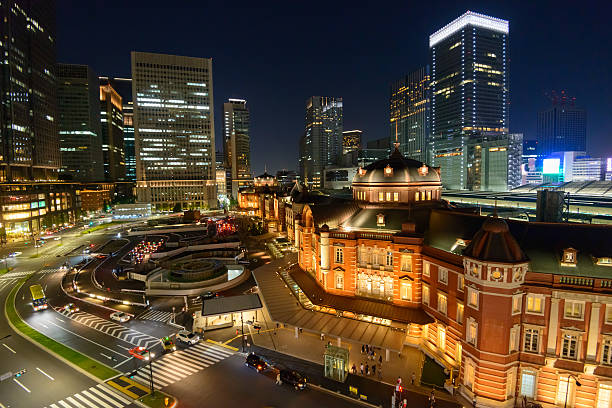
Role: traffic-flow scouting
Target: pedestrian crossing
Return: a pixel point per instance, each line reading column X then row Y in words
column 111, row 328
column 8, row 283
column 157, row 315
column 21, row 274
column 99, row 396
column 173, row 367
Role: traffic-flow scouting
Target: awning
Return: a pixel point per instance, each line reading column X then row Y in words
column 230, row 304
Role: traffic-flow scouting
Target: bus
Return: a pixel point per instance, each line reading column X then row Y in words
column 39, row 301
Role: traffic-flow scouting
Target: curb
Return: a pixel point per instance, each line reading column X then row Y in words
column 222, row 345
column 340, row 395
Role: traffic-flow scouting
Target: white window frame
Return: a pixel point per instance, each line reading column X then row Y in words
column 607, row 388
column 470, row 374
column 606, row 351
column 568, row 337
column 339, row 255
column 426, row 269
column 426, row 294
column 608, row 317
column 528, row 339
column 442, row 303
column 460, row 282
column 575, row 306
column 442, row 275
column 515, row 339
column 470, row 337
column 389, row 258
column 534, row 386
column 473, row 294
column 535, row 296
column 441, row 337
column 517, row 304
column 406, row 291
column 339, row 278
column 460, row 312
column 406, row 263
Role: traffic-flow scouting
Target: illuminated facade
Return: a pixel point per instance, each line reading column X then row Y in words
column 111, row 117
column 237, row 144
column 409, row 109
column 510, row 308
column 469, row 91
column 29, row 143
column 79, row 123
column 321, row 143
column 351, row 140
column 174, row 130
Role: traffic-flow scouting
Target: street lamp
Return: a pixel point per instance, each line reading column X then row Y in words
column 567, row 388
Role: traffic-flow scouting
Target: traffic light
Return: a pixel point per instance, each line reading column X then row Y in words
column 20, row 373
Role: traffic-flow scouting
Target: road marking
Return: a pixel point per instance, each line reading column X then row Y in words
column 109, row 357
column 44, row 325
column 123, row 362
column 14, row 352
column 21, row 385
column 60, row 319
column 52, row 379
column 2, row 406
column 91, row 341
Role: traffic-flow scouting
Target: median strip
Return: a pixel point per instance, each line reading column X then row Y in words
column 74, row 358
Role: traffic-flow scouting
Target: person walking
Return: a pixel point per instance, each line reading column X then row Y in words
column 354, row 369
column 373, row 369
column 380, row 359
column 362, row 348
column 278, row 379
column 413, row 377
column 361, row 368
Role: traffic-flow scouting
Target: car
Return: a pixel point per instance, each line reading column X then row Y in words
column 187, row 337
column 293, row 378
column 256, row 362
column 120, row 317
column 209, row 295
column 167, row 344
column 71, row 308
column 141, row 353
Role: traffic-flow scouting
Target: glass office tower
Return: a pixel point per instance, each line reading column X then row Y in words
column 237, row 145
column 562, row 127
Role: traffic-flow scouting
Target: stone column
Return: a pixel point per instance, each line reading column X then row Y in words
column 296, row 233
column 593, row 332
column 553, row 326
column 324, row 255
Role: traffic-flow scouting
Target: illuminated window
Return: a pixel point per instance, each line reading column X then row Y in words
column 406, row 291
column 469, row 375
column 565, row 391
column 426, row 269
column 442, row 275
column 339, row 281
column 528, row 384
column 473, row 298
column 569, row 347
column 396, row 196
column 406, row 263
column 517, row 303
column 460, row 283
column 535, row 304
column 574, row 310
column 417, row 196
column 604, row 396
column 388, row 196
column 339, row 255
column 429, row 195
column 531, row 341
column 426, row 295
column 388, row 171
column 472, row 331
column 606, row 355
column 442, row 304
column 381, row 196
column 441, row 338
column 569, row 257
column 460, row 313
column 458, row 351
column 380, row 220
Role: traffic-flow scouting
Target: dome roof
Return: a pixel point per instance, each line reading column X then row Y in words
column 495, row 243
column 397, row 169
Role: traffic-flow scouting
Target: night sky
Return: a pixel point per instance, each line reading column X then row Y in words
column 276, row 54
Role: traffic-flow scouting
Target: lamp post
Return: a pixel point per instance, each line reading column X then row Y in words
column 567, row 388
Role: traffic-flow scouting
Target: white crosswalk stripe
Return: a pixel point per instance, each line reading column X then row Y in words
column 111, row 328
column 173, row 367
column 99, row 396
column 21, row 274
column 6, row 283
column 157, row 315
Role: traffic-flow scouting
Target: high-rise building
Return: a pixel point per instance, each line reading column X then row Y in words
column 469, row 91
column 111, row 118
column 321, row 143
column 562, row 127
column 78, row 95
column 495, row 162
column 174, row 130
column 29, row 143
column 123, row 86
column 409, row 110
column 351, row 140
column 237, row 144
column 220, row 174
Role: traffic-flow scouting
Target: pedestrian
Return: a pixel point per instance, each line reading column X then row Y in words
column 278, row 379
column 413, row 377
column 301, row 331
column 474, row 402
column 367, row 369
column 405, row 403
column 361, row 368
column 373, row 369
column 432, row 399
column 354, row 369
column 362, row 349
column 322, row 337
column 380, row 359
column 399, row 380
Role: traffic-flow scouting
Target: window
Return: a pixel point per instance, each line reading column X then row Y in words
column 406, row 263
column 406, row 291
column 532, row 340
column 442, row 275
column 381, row 196
column 604, row 396
column 569, row 256
column 380, row 220
column 442, row 304
column 426, row 269
column 375, row 256
column 473, row 298
column 514, row 338
column 606, row 355
column 441, row 338
column 460, row 313
column 458, row 351
column 417, row 196
column 460, row 283
column 339, row 280
column 528, row 384
column 535, row 304
column 395, row 196
column 389, row 259
column 469, row 375
column 426, row 295
column 472, row 332
column 517, row 304
column 565, row 391
column 388, row 196
column 339, row 255
column 510, row 383
column 569, row 347
column 574, row 310
column 609, row 314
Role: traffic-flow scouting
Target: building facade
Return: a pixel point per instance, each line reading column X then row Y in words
column 111, row 119
column 409, row 113
column 562, row 127
column 495, row 162
column 321, row 143
column 351, row 140
column 29, row 143
column 80, row 132
column 511, row 309
column 237, row 144
column 174, row 130
column 469, row 91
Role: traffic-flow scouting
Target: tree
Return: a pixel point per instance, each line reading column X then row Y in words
column 177, row 208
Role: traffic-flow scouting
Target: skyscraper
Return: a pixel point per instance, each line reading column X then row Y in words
column 495, row 162
column 237, row 144
column 351, row 140
column 78, row 95
column 174, row 130
column 111, row 117
column 409, row 110
column 469, row 91
column 562, row 127
column 321, row 143
column 29, row 143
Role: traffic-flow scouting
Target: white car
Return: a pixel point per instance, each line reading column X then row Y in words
column 120, row 317
column 187, row 337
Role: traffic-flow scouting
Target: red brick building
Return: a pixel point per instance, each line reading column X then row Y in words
column 513, row 308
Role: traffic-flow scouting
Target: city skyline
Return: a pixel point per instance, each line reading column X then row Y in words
column 355, row 70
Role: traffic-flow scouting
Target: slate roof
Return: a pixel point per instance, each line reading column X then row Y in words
column 404, row 171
